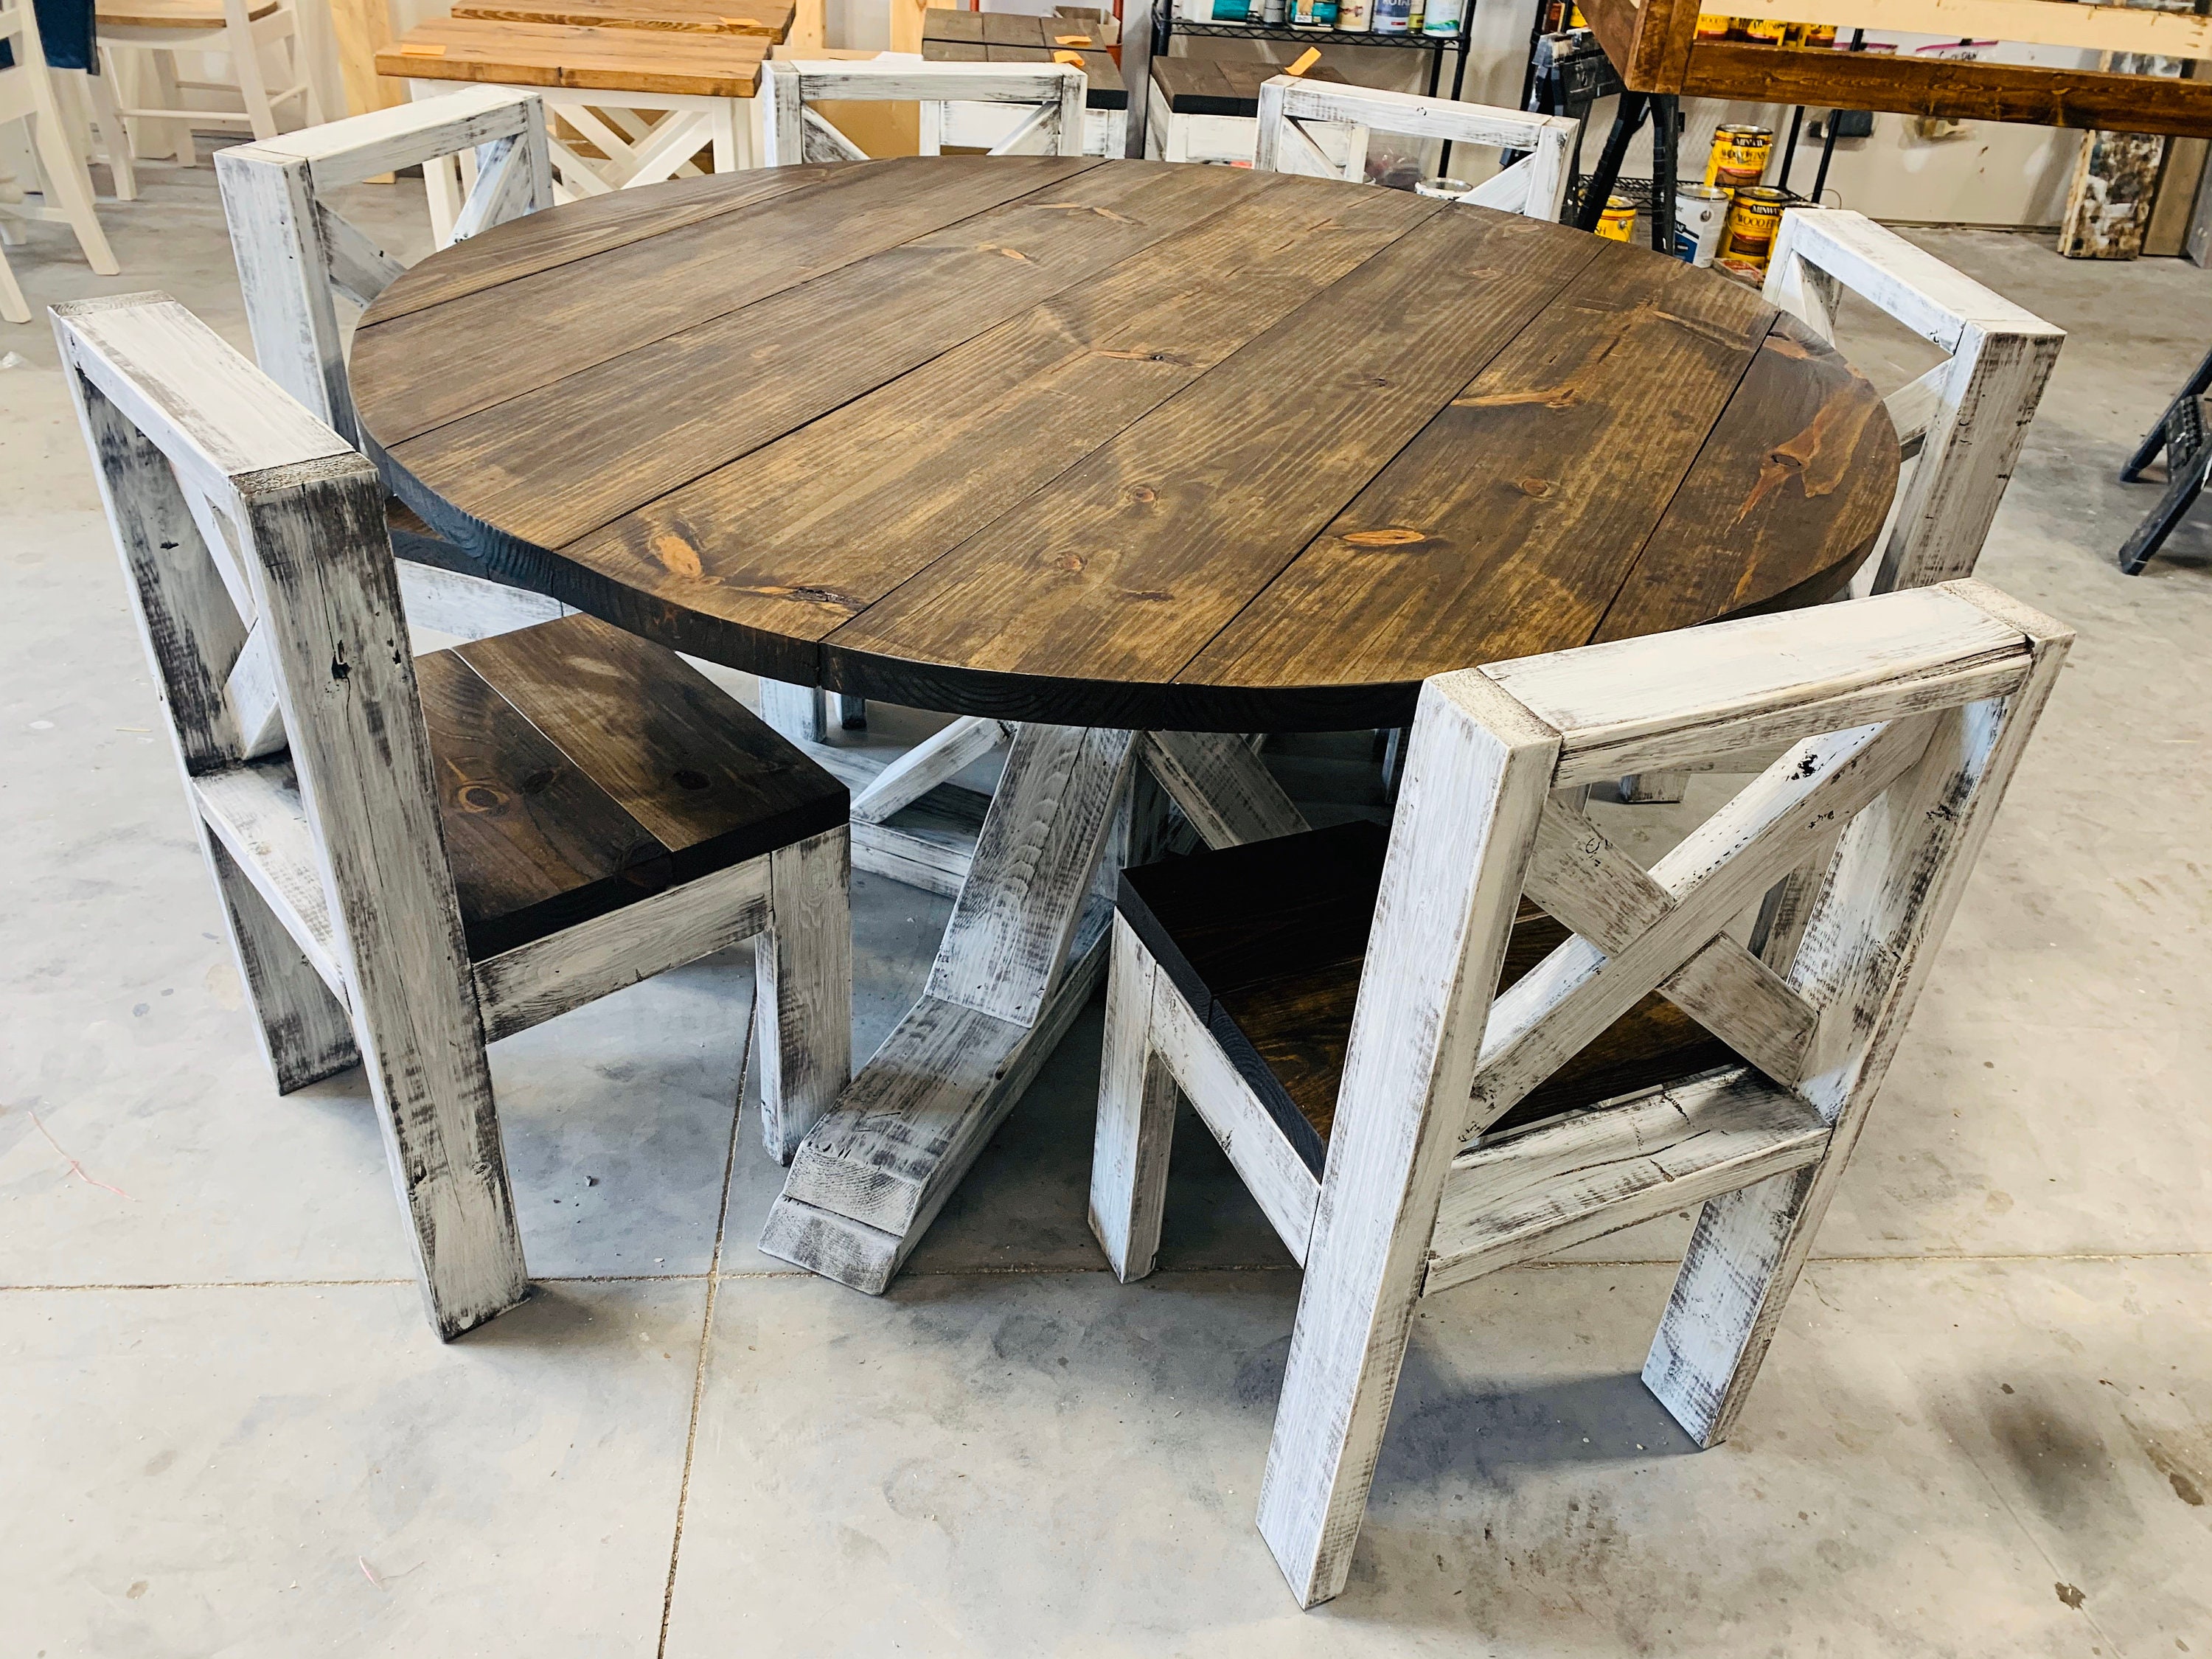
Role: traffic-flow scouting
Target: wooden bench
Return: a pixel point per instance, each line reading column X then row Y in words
column 997, row 37
column 631, row 105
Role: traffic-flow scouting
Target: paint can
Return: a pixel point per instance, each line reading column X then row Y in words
column 1821, row 37
column 1762, row 31
column 1443, row 17
column 1713, row 24
column 1754, row 217
column 1394, row 16
column 1618, row 222
column 1701, row 215
column 1739, row 156
column 1355, row 17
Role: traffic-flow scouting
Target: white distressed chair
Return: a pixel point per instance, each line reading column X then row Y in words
column 1536, row 184
column 296, row 256
column 1904, row 714
column 1964, row 419
column 261, row 38
column 795, row 132
column 418, row 856
column 28, row 94
column 1959, row 426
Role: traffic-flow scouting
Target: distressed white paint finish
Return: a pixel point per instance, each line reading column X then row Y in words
column 896, row 1112
column 1534, row 185
column 1218, row 779
column 1577, row 992
column 1016, row 916
column 937, row 759
column 1591, row 887
column 1137, row 1099
column 1487, row 814
column 1476, row 777
column 294, row 253
column 795, row 711
column 1635, row 704
column 250, row 691
column 1270, row 1168
column 533, row 982
column 1535, row 1194
column 795, row 132
column 330, row 857
column 803, row 966
column 468, row 607
column 1966, row 419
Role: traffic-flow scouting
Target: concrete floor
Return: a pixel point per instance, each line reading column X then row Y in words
column 1986, row 1428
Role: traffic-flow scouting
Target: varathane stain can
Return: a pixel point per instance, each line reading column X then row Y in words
column 1700, row 216
column 1713, row 24
column 1819, row 36
column 1739, row 156
column 1762, row 31
column 1618, row 222
column 1754, row 217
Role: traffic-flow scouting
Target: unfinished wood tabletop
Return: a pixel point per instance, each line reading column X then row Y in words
column 1114, row 443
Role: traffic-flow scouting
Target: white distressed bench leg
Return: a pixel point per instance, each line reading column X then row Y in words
column 935, row 760
column 793, row 710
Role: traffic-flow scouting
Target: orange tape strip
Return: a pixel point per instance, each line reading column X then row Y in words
column 1073, row 60
column 1072, row 40
column 1305, row 61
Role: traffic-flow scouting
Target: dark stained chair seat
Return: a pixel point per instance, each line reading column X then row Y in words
column 579, row 768
column 1266, row 943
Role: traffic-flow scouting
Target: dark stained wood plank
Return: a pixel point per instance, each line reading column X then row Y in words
column 956, row 51
column 944, row 23
column 555, row 464
column 700, row 772
column 532, row 332
column 1118, row 572
column 1013, row 28
column 558, row 236
column 1959, row 91
column 1506, row 527
column 535, row 845
column 1791, row 487
column 798, row 537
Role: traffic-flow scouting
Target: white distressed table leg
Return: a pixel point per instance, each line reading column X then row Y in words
column 872, row 1174
column 793, row 710
column 1229, row 796
column 933, row 761
column 1137, row 1098
column 803, row 965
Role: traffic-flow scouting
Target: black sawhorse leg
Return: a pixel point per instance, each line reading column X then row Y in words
column 2180, row 433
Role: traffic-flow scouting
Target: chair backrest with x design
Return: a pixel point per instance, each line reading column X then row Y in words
column 1964, row 419
column 1536, row 184
column 295, row 254
column 796, row 132
column 1904, row 716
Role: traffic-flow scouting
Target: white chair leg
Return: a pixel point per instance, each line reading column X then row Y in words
column 1735, row 1278
column 114, row 143
column 252, row 83
column 803, row 966
column 168, row 96
column 305, row 1030
column 65, row 178
column 14, row 307
column 1137, row 1098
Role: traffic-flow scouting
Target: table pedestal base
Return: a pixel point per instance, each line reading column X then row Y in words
column 1022, row 952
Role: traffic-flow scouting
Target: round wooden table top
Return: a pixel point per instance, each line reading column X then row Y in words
column 1114, row 443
